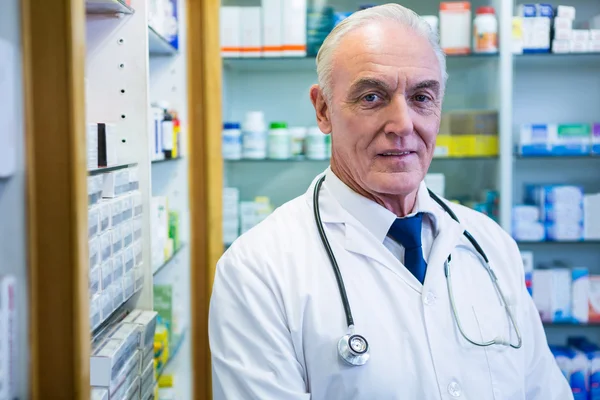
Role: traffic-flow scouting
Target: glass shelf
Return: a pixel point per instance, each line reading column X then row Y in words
column 104, row 170
column 306, row 160
column 166, row 160
column 309, row 62
column 167, row 262
column 558, row 157
column 559, row 242
column 158, row 45
column 107, row 7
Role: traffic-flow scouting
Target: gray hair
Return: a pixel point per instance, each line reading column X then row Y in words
column 394, row 12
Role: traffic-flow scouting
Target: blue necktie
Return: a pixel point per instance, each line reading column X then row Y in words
column 407, row 232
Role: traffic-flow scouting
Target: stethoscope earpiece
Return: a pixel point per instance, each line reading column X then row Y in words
column 354, row 349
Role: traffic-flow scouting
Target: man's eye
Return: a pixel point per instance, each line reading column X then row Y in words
column 370, row 98
column 421, row 98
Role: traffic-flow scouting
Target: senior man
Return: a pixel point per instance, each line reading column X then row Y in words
column 369, row 287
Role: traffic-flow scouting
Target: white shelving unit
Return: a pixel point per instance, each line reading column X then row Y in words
column 168, row 82
column 13, row 224
column 129, row 65
column 528, row 88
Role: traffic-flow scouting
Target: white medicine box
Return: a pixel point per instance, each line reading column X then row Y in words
column 230, row 32
column 251, row 32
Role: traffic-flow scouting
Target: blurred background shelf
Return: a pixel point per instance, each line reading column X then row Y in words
column 158, row 45
column 107, row 7
column 169, row 260
column 167, row 160
column 104, row 170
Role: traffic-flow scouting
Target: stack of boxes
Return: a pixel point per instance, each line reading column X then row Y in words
column 468, row 133
column 122, row 363
column 165, row 231
column 579, row 361
column 540, row 28
column 275, row 29
column 536, row 23
column 557, row 213
column 115, row 241
column 559, row 139
column 231, row 215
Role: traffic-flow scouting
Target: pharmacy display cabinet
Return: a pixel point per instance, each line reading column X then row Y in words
column 540, row 90
column 104, row 277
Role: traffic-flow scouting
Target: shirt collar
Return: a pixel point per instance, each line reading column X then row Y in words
column 374, row 217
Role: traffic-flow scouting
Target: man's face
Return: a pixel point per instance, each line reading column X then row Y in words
column 385, row 108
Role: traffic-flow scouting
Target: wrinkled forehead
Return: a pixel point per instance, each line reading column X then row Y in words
column 385, row 50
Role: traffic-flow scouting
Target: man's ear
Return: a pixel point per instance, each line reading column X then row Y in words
column 321, row 109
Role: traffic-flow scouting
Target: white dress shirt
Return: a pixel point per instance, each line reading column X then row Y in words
column 378, row 219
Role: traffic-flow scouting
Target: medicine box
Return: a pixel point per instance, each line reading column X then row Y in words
column 580, row 295
column 528, row 231
column 115, row 183
column 552, row 294
column 525, row 213
column 92, row 146
column 106, row 305
column 94, row 252
column 137, row 204
column 595, row 35
column 579, row 46
column 595, row 139
column 563, row 23
column 561, row 46
column 591, row 212
column 108, row 360
column 99, row 394
column 94, row 281
column 565, row 12
column 594, row 295
column 128, row 259
column 129, row 284
column 294, row 27
column 121, row 386
column 118, row 267
column 251, row 31
column 147, row 377
column 581, row 34
column 107, row 145
column 536, row 139
column 230, row 32
column 127, row 207
column 106, row 273
column 567, row 195
column 455, row 27
column 272, row 28
column 94, row 186
column 527, row 258
column 146, row 321
column 95, row 312
column 572, row 231
column 139, row 278
column 138, row 255
column 104, row 211
column 116, row 214
column 105, row 246
column 137, row 229
column 127, row 233
column 116, row 292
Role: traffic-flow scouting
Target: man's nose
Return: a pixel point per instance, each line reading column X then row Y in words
column 399, row 118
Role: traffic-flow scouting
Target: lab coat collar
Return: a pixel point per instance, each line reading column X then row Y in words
column 361, row 240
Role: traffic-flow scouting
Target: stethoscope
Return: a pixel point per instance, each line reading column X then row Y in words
column 354, row 348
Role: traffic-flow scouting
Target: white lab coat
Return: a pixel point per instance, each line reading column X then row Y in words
column 276, row 315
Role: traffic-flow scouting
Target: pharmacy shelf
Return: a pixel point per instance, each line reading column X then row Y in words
column 558, row 158
column 173, row 353
column 571, row 324
column 306, row 160
column 158, row 45
column 167, row 262
column 107, row 7
column 115, row 316
column 104, row 170
column 166, row 160
column 559, row 242
column 559, row 60
column 304, row 63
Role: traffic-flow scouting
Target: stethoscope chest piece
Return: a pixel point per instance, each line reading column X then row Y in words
column 354, row 349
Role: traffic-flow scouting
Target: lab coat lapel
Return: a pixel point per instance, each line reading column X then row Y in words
column 358, row 240
column 449, row 234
